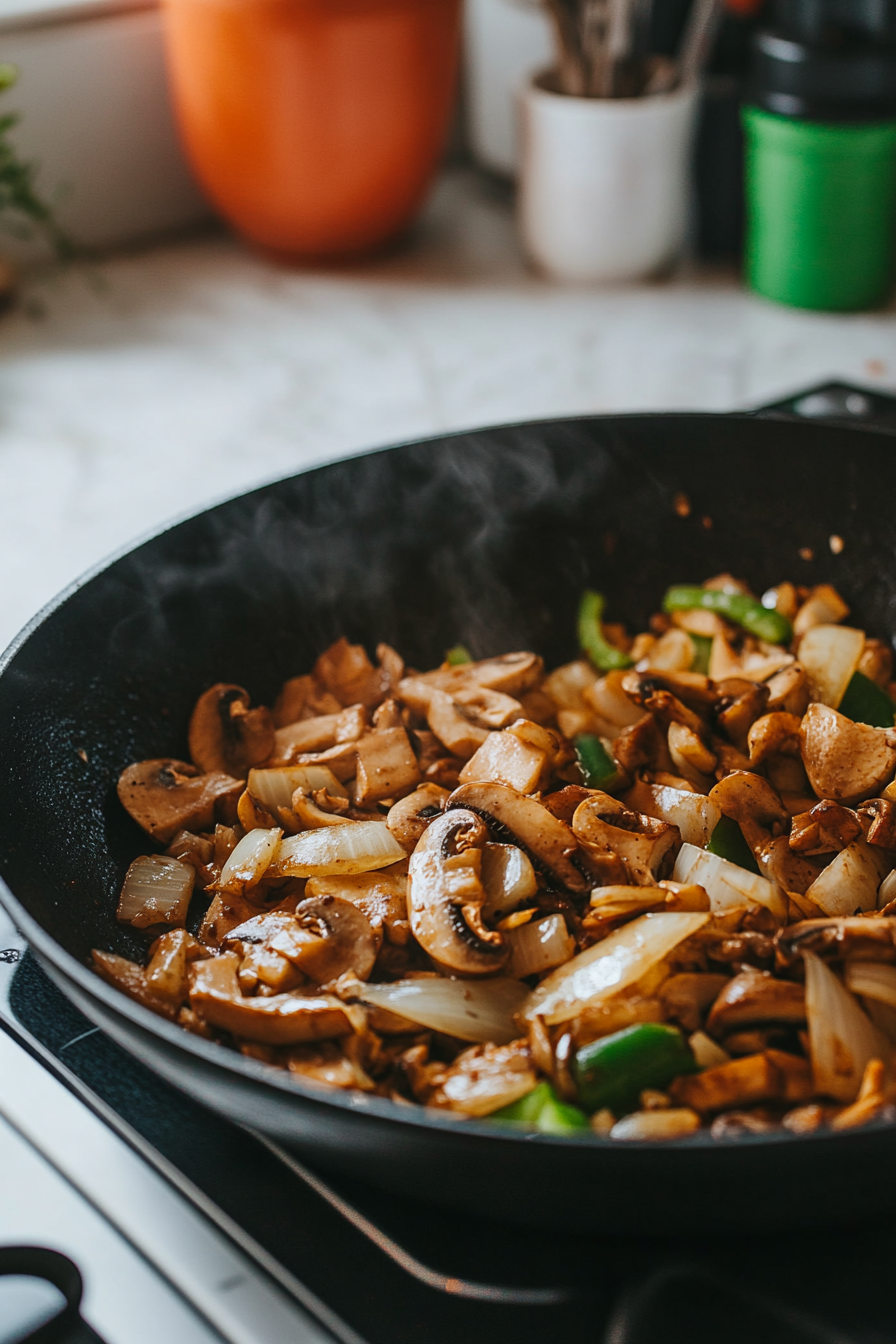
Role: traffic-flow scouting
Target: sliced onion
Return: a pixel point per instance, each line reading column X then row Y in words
column 886, row 892
column 275, row 788
column 468, row 1009
column 873, row 979
column 883, row 1017
column 248, row 862
column 539, row 947
column 841, row 1038
column 728, row 886
column 566, row 684
column 672, row 652
column 695, row 815
column 358, row 847
column 508, row 877
column 156, row 890
column 610, row 966
column 851, row 880
column 830, row 654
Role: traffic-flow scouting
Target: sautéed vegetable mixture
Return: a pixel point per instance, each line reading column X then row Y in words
column 649, row 893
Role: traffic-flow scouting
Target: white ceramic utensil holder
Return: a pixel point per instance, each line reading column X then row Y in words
column 604, row 188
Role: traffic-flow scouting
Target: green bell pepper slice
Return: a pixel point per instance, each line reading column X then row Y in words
column 604, row 655
column 614, row 1070
column 739, row 608
column 598, row 768
column 865, row 702
column 727, row 840
column 457, row 656
column 542, row 1110
column 702, row 645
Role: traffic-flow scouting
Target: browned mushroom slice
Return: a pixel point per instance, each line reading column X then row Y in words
column 642, row 746
column 877, row 819
column 689, row 688
column 739, row 709
column 457, row 733
column 170, row 955
column 486, row 708
column 770, row 1076
column 774, row 734
column 523, row 821
column 409, row 818
column 387, row 766
column 167, row 796
column 686, row 996
column 382, row 897
column 872, row 937
column 510, row 674
column 792, row 872
column 788, row 690
column 327, row 937
column 226, row 735
column 824, row 829
column 845, row 761
column 280, row 1019
column 446, row 896
column 751, row 801
column 484, row 1078
column 522, row 757
column 348, row 674
column 341, row 759
column 131, row 980
column 754, row 998
column 646, row 847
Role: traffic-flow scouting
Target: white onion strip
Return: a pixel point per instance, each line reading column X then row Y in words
column 470, row 1010
column 539, row 947
column 728, row 886
column 872, row 979
column 841, row 1038
column 249, row 860
column 275, row 788
column 610, row 966
column 358, row 847
column 156, row 890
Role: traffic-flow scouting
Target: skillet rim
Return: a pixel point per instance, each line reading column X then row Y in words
column 353, row 1102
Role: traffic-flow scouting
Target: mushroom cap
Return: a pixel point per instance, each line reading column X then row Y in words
column 754, row 997
column 326, row 937
column 166, row 796
column 523, row 821
column 745, row 797
column 845, row 761
column 446, row 895
column 225, row 734
column 409, row 818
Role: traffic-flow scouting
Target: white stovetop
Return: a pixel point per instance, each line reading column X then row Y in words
column 158, row 381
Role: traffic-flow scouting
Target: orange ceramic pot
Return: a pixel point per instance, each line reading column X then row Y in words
column 315, row 126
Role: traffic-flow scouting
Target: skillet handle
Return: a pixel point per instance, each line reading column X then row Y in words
column 837, row 403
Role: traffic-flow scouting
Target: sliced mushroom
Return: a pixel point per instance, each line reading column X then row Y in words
column 792, row 872
column 738, row 714
column 788, row 690
column 279, row 1019
column 871, row 937
column 226, row 735
column 387, row 766
column 167, row 796
column 348, row 674
column 877, row 819
column 646, row 847
column 169, row 957
column 382, row 897
column 446, row 896
column 513, row 758
column 409, row 818
column 774, row 734
column 754, row 998
column 876, row 662
column 770, row 1076
column 523, row 821
column 825, row 828
column 484, row 1078
column 131, row 980
column 326, row 937
column 751, row 801
column 845, row 761
column 486, row 708
column 511, row 674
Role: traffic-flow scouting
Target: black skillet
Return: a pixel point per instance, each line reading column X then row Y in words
column 486, row 538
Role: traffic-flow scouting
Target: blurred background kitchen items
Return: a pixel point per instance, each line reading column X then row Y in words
column 604, row 187
column 315, row 126
column 607, row 141
column 821, row 155
column 96, row 117
column 506, row 43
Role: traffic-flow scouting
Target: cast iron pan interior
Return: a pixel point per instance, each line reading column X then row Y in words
column 485, row 538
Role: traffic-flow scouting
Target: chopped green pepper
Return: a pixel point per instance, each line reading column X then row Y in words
column 458, row 655
column 727, row 840
column 865, row 702
column 527, row 1110
column 702, row 650
column 558, row 1117
column 599, row 768
column 542, row 1110
column 614, row 1070
column 604, row 655
column 745, row 611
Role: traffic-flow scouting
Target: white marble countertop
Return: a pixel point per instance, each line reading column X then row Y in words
column 158, row 381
